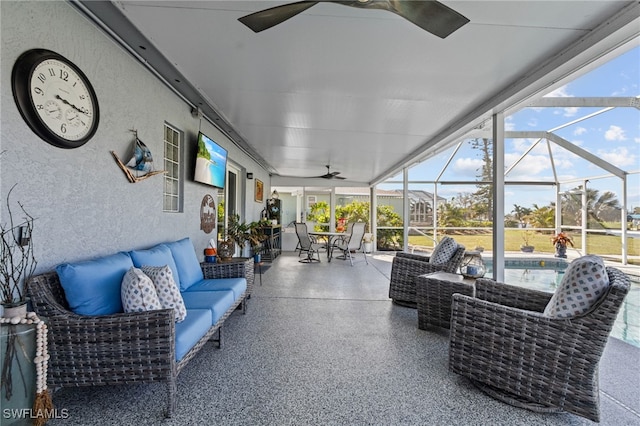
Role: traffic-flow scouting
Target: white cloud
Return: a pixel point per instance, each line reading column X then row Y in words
column 615, row 133
column 570, row 111
column 468, row 167
column 530, row 166
column 579, row 131
column 509, row 125
column 560, row 92
column 619, row 156
column 533, row 122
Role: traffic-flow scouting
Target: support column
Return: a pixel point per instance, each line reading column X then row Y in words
column 405, row 209
column 498, row 197
column 373, row 216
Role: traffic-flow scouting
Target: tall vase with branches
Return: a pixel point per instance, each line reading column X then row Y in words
column 23, row 366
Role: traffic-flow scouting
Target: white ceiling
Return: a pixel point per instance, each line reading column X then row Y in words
column 362, row 90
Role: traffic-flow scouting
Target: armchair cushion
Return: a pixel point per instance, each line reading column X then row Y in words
column 167, row 289
column 237, row 285
column 138, row 293
column 189, row 270
column 188, row 332
column 583, row 284
column 444, row 251
column 93, row 287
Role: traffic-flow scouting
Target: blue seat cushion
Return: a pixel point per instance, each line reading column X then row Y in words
column 189, row 331
column 186, row 261
column 237, row 285
column 218, row 302
column 159, row 255
column 93, row 287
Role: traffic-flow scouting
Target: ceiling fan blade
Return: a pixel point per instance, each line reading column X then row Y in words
column 431, row 16
column 265, row 19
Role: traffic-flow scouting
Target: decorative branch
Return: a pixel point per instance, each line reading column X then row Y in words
column 17, row 262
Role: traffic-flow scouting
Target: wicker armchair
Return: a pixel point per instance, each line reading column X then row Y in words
column 124, row 348
column 407, row 266
column 501, row 341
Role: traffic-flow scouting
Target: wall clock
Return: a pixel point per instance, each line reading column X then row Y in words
column 55, row 98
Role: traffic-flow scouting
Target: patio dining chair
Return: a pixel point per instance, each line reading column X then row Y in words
column 446, row 257
column 352, row 243
column 307, row 245
column 512, row 346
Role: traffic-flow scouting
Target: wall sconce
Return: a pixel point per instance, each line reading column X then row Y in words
column 249, row 175
column 275, row 195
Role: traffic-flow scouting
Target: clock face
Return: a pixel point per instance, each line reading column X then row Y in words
column 55, row 98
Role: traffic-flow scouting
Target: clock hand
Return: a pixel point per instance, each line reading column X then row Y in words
column 71, row 105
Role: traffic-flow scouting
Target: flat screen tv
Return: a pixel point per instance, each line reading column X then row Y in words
column 211, row 162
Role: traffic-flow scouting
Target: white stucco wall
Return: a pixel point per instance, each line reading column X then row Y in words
column 83, row 204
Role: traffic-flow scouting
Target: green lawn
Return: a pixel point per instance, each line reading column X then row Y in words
column 596, row 244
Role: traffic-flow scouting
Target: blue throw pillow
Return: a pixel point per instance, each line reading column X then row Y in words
column 187, row 262
column 159, row 255
column 93, row 287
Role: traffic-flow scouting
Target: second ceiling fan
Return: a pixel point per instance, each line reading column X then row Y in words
column 431, row 16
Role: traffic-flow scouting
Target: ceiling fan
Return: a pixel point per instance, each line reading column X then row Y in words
column 431, row 16
column 330, row 174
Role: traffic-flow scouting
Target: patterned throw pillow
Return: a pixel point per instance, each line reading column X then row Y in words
column 138, row 293
column 584, row 282
column 167, row 289
column 444, row 251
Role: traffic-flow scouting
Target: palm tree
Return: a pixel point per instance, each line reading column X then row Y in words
column 599, row 207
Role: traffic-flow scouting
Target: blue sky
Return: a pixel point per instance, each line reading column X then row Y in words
column 613, row 136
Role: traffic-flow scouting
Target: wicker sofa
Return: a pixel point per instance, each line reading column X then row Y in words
column 137, row 347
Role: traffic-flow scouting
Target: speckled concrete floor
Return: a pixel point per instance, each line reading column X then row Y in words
column 321, row 344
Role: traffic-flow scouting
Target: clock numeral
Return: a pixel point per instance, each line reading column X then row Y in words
column 64, row 75
column 42, row 77
column 40, row 106
column 63, row 128
column 39, row 91
column 52, row 72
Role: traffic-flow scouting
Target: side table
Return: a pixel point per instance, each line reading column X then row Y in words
column 433, row 297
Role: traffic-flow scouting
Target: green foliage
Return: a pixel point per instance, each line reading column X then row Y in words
column 389, row 239
column 320, row 213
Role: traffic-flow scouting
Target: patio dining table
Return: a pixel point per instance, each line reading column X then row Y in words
column 330, row 237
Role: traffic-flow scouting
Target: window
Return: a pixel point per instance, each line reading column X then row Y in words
column 172, row 194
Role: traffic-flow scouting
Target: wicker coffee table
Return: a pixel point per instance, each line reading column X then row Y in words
column 433, row 297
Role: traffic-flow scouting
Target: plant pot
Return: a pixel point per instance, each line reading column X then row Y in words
column 561, row 251
column 526, row 249
column 15, row 310
column 257, row 258
column 226, row 250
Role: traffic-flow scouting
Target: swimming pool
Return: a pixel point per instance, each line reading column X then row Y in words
column 546, row 273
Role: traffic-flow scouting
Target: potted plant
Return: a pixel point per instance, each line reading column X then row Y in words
column 368, row 242
column 526, row 247
column 255, row 238
column 560, row 241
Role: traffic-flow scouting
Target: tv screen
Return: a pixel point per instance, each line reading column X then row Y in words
column 211, row 162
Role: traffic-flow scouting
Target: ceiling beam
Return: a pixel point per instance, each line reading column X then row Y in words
column 563, row 102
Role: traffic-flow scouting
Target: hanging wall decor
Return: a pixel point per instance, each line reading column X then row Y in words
column 141, row 162
column 208, row 214
column 259, row 191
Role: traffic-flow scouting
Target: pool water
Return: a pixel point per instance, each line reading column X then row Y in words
column 546, row 274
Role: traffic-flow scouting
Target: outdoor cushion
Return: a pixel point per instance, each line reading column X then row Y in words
column 444, row 251
column 237, row 285
column 188, row 332
column 138, row 293
column 187, row 263
column 167, row 289
column 159, row 255
column 92, row 287
column 584, row 282
column 216, row 301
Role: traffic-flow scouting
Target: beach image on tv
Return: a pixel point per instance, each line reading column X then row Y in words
column 211, row 162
